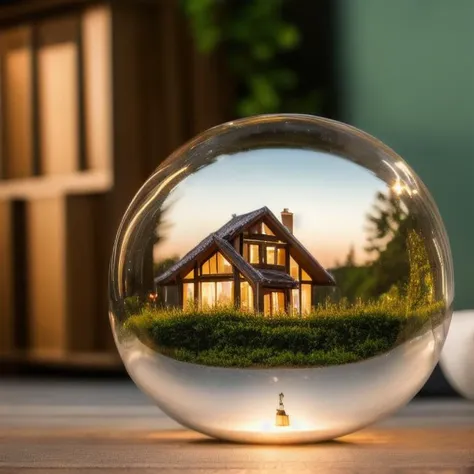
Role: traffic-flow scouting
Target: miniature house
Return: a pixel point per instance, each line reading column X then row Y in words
column 253, row 262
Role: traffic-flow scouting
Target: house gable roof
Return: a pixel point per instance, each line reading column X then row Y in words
column 221, row 240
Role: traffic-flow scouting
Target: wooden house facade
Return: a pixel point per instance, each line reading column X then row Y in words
column 253, row 262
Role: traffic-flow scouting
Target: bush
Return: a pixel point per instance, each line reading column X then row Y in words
column 331, row 334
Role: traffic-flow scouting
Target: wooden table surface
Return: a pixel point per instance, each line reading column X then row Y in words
column 109, row 426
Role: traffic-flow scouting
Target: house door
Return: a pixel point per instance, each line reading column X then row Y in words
column 274, row 302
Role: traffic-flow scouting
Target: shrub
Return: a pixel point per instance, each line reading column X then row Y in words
column 331, row 334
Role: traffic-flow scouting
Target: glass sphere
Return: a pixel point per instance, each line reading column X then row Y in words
column 281, row 279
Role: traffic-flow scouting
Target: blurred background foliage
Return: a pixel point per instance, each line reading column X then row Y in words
column 255, row 39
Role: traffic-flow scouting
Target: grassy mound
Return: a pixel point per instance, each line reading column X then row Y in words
column 330, row 335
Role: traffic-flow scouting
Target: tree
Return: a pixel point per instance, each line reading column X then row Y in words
column 350, row 259
column 420, row 290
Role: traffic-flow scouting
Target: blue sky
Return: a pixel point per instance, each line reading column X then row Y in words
column 329, row 196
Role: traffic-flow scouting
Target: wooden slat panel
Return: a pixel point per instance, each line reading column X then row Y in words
column 81, row 272
column 46, row 222
column 6, row 280
column 96, row 31
column 17, row 103
column 58, row 108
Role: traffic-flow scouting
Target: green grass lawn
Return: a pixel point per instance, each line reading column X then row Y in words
column 332, row 334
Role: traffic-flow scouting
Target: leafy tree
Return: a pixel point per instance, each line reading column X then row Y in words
column 420, row 289
column 163, row 265
column 350, row 259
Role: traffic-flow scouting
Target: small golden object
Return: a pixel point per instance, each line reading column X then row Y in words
column 282, row 419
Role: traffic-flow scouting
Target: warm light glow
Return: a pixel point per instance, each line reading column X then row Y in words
column 281, row 256
column 266, row 230
column 217, row 293
column 217, row 264
column 294, row 269
column 305, row 299
column 271, row 255
column 295, row 301
column 188, row 295
column 254, row 253
column 246, row 296
column 397, row 188
column 305, row 276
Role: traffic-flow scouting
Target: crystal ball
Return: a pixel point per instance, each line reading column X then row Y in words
column 281, row 279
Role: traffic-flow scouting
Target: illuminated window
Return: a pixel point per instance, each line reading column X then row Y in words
column 294, row 269
column 208, row 294
column 223, row 265
column 190, row 275
column 267, row 306
column 305, row 276
column 254, row 253
column 213, row 265
column 205, row 268
column 295, row 301
column 305, row 299
column 225, row 292
column 188, row 295
column 278, row 302
column 221, row 293
column 246, row 296
column 271, row 255
column 281, row 256
column 266, row 230
column 217, row 264
column 273, row 303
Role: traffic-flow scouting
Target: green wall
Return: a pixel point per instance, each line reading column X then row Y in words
column 406, row 71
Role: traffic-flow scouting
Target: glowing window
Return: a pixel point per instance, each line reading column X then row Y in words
column 267, row 307
column 295, row 301
column 223, row 266
column 294, row 269
column 281, row 256
column 271, row 255
column 305, row 276
column 190, row 275
column 216, row 264
column 246, row 296
column 188, row 295
column 305, row 299
column 225, row 293
column 208, row 294
column 266, row 230
column 217, row 293
column 278, row 302
column 254, row 253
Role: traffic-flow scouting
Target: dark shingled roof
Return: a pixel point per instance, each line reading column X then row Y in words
column 221, row 240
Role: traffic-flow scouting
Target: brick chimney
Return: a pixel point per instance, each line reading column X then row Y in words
column 287, row 219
